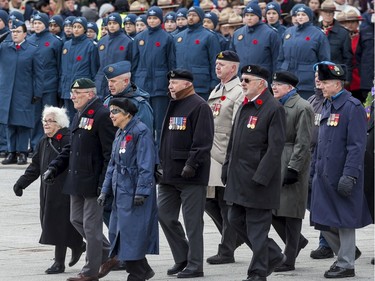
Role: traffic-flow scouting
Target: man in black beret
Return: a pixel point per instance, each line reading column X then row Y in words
column 224, row 101
column 338, row 204
column 295, row 167
column 252, row 170
column 86, row 159
column 186, row 141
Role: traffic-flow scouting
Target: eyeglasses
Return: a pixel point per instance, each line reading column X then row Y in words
column 277, row 84
column 115, row 111
column 75, row 93
column 17, row 31
column 49, row 121
column 247, row 80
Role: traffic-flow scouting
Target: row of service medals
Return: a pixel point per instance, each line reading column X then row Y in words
column 333, row 119
column 177, row 123
column 216, row 109
column 122, row 147
column 318, row 116
column 86, row 123
column 252, row 122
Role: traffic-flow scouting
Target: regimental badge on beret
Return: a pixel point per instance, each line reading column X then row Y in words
column 249, row 10
column 240, row 37
column 78, row 19
column 110, row 69
column 207, row 15
column 173, row 74
column 101, row 48
column 275, row 76
column 301, row 9
column 271, row 6
column 76, row 85
column 287, row 36
column 65, row 51
column 248, row 69
column 112, row 18
column 152, row 12
column 337, row 70
column 37, row 17
column 220, row 55
column 170, row 17
column 141, row 42
column 179, row 39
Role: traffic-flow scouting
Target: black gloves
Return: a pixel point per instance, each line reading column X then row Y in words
column 35, row 100
column 49, row 175
column 291, row 176
column 188, row 172
column 139, row 200
column 101, row 199
column 18, row 190
column 345, row 186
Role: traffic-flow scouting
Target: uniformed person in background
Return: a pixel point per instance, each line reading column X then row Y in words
column 21, row 84
column 252, row 171
column 140, row 23
column 295, row 167
column 92, row 131
column 92, row 31
column 196, row 50
column 170, row 24
column 55, row 26
column 154, row 56
column 185, row 145
column 210, row 22
column 129, row 25
column 224, row 101
column 181, row 20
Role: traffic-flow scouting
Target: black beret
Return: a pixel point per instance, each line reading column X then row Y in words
column 285, row 77
column 116, row 69
column 228, row 56
column 125, row 104
column 256, row 70
column 331, row 72
column 83, row 83
column 181, row 74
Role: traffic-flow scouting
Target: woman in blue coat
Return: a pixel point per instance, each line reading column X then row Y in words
column 133, row 229
column 303, row 46
column 153, row 57
column 79, row 59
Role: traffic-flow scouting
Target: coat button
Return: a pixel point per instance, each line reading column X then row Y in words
column 77, row 153
column 75, row 172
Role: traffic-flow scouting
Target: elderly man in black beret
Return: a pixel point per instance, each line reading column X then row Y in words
column 224, row 101
column 338, row 205
column 295, row 163
column 186, row 141
column 87, row 157
column 252, row 170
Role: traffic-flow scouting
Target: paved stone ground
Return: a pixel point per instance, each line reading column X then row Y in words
column 22, row 258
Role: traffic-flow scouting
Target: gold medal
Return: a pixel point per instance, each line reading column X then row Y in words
column 179, row 39
column 101, row 48
column 65, row 51
column 240, row 37
column 141, row 42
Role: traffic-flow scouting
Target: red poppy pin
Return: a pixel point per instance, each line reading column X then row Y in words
column 255, row 41
column 331, row 67
column 46, row 44
column 79, row 58
column 259, row 102
column 197, row 42
column 90, row 112
column 122, row 48
column 128, row 138
column 59, row 136
column 223, row 98
column 307, row 38
column 157, row 44
column 18, row 47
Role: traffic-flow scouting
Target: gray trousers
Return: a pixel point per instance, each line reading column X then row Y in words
column 342, row 242
column 191, row 198
column 87, row 217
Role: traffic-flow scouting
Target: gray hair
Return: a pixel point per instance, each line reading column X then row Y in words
column 60, row 115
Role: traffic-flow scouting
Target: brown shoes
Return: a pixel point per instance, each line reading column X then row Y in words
column 106, row 267
column 81, row 277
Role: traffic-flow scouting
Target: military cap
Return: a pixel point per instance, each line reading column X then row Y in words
column 303, row 9
column 16, row 15
column 57, row 19
column 331, row 72
column 182, row 13
column 125, row 104
column 82, row 83
column 116, row 69
column 285, row 77
column 69, row 20
column 256, row 70
column 170, row 16
column 198, row 11
column 253, row 8
column 82, row 21
column 42, row 17
column 130, row 18
column 142, row 18
column 212, row 17
column 228, row 56
column 180, row 74
column 116, row 18
column 17, row 23
column 93, row 26
column 4, row 17
column 274, row 6
column 155, row 11
column 328, row 6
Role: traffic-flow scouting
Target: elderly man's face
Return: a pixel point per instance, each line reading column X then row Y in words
column 280, row 89
column 118, row 84
column 80, row 97
column 177, row 85
column 250, row 85
column 330, row 87
column 225, row 70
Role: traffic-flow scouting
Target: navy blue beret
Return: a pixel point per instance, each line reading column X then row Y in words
column 116, row 69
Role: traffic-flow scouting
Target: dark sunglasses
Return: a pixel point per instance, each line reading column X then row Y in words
column 247, row 80
column 115, row 111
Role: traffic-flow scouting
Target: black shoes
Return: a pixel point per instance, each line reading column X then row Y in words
column 177, row 268
column 187, row 273
column 22, row 159
column 322, row 253
column 55, row 268
column 358, row 253
column 149, row 274
column 255, row 277
column 76, row 254
column 302, row 246
column 275, row 263
column 339, row 272
column 10, row 159
column 284, row 267
column 219, row 259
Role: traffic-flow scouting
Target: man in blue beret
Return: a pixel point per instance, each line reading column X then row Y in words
column 196, row 49
column 338, row 205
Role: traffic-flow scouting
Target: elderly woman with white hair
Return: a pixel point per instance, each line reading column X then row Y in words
column 54, row 205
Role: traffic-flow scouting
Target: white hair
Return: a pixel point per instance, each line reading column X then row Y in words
column 60, row 115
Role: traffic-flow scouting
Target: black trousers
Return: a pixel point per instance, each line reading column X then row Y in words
column 137, row 269
column 253, row 226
